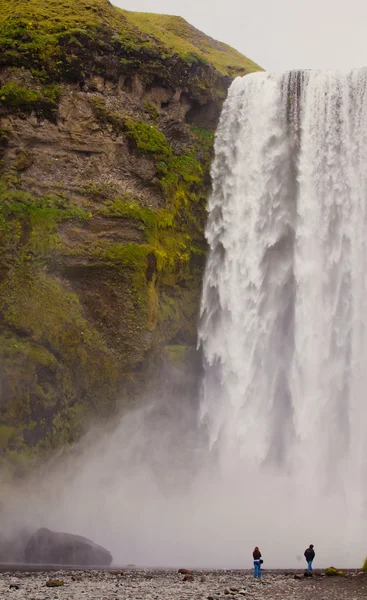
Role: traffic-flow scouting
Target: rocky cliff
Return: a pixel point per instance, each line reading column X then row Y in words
column 106, row 134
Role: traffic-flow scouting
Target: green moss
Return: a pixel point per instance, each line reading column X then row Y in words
column 23, row 161
column 65, row 40
column 15, row 98
column 130, row 209
column 7, row 435
column 106, row 116
column 151, row 110
column 132, row 256
column 54, row 367
column 99, row 191
column 54, row 386
column 147, row 139
column 190, row 44
column 176, row 354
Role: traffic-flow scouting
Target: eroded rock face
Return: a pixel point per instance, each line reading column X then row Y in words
column 48, row 547
column 105, row 146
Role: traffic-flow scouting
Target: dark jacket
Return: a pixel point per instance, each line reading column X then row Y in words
column 256, row 554
column 310, row 554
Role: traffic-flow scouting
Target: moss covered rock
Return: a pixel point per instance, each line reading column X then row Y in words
column 333, row 572
column 106, row 138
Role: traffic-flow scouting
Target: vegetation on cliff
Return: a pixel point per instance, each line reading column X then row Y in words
column 106, row 137
column 71, row 40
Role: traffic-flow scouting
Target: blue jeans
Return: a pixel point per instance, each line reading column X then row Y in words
column 257, row 569
column 309, row 565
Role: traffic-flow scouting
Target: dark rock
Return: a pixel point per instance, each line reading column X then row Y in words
column 54, row 583
column 188, row 578
column 227, row 591
column 50, row 547
column 184, row 572
column 13, row 586
column 297, row 576
column 234, row 589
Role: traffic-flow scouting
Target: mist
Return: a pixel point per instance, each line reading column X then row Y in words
column 154, row 495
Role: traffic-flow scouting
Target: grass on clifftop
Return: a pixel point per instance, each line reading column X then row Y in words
column 35, row 30
column 190, row 43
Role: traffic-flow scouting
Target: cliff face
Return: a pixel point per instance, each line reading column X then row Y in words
column 106, row 134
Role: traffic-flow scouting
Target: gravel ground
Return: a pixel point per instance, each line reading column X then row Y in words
column 150, row 584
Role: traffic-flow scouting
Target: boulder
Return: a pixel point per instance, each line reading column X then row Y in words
column 184, row 571
column 188, row 578
column 52, row 548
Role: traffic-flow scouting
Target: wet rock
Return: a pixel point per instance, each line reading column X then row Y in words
column 50, row 547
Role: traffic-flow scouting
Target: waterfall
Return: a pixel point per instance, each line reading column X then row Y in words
column 284, row 303
column 279, row 457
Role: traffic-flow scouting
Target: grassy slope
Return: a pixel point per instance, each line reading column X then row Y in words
column 45, row 21
column 187, row 41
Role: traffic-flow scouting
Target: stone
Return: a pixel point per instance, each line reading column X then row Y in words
column 184, row 572
column 13, row 586
column 188, row 578
column 55, row 583
column 234, row 589
column 53, row 548
column 297, row 576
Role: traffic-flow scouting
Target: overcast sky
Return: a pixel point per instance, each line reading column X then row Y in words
column 278, row 34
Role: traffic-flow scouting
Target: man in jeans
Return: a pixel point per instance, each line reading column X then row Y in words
column 309, row 555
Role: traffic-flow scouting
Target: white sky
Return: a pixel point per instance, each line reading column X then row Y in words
column 278, row 34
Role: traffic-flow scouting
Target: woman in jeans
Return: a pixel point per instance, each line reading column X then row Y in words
column 257, row 564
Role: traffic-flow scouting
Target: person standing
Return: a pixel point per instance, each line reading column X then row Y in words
column 309, row 555
column 257, row 563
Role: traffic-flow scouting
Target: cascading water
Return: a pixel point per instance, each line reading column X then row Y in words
column 284, row 305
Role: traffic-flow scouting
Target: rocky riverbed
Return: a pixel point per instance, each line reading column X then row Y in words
column 146, row 584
